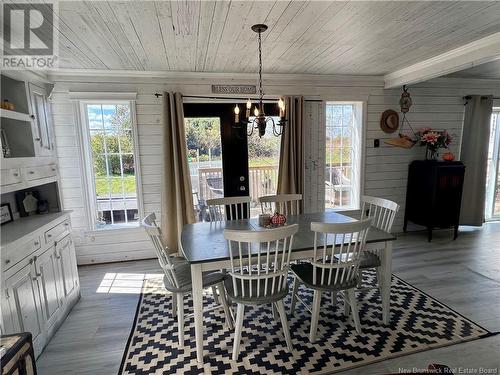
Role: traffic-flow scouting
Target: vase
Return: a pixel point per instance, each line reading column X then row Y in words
column 431, row 154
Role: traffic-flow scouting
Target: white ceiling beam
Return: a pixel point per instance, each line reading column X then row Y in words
column 475, row 53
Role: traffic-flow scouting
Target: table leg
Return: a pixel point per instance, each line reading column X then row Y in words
column 385, row 287
column 196, row 275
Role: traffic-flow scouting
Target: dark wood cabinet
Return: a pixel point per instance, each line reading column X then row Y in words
column 434, row 194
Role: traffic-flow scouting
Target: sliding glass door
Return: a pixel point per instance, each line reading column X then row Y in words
column 493, row 176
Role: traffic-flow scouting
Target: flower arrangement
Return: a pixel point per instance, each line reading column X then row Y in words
column 433, row 140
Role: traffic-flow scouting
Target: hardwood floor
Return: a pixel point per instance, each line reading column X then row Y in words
column 464, row 274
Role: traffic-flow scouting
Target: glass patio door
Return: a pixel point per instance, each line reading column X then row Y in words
column 493, row 174
column 217, row 154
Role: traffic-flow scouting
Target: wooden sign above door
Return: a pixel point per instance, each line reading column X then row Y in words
column 234, row 89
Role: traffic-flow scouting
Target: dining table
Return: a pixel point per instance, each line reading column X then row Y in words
column 205, row 248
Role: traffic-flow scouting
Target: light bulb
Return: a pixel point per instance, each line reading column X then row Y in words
column 249, row 104
column 256, row 112
column 236, row 114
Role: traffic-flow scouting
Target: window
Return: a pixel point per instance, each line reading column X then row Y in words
column 343, row 155
column 109, row 146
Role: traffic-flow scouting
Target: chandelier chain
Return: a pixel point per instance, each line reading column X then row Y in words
column 260, row 67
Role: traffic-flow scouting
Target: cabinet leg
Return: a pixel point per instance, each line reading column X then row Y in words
column 455, row 232
column 429, row 232
column 405, row 225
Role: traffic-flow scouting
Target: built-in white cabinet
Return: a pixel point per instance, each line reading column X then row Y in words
column 40, row 281
column 65, row 251
column 50, row 283
column 22, row 311
column 40, row 113
column 27, row 136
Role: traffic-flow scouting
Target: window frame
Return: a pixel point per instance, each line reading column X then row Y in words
column 492, row 181
column 88, row 183
column 360, row 112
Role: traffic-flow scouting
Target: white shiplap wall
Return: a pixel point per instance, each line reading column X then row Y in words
column 437, row 104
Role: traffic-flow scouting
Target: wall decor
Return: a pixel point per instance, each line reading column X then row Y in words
column 5, row 214
column 389, row 121
column 404, row 141
column 234, row 89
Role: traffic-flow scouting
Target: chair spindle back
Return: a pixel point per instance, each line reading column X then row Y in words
column 260, row 260
column 287, row 204
column 228, row 208
column 164, row 258
column 383, row 211
column 337, row 251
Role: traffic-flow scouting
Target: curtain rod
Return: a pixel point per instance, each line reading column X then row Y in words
column 227, row 97
column 468, row 97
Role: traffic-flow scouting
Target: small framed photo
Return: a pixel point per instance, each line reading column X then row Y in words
column 5, row 214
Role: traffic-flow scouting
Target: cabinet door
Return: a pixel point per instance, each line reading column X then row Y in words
column 22, row 302
column 42, row 121
column 67, row 259
column 50, row 282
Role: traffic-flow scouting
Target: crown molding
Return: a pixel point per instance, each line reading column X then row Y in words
column 472, row 54
column 171, row 76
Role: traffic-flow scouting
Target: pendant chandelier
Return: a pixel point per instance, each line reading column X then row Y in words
column 261, row 121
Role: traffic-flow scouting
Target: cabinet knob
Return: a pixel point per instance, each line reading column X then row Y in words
column 36, row 243
column 31, row 172
column 37, row 139
column 58, row 256
column 15, row 174
column 49, row 236
column 32, row 116
column 38, row 274
column 7, row 261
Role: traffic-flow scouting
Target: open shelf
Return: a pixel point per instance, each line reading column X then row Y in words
column 16, row 93
column 14, row 115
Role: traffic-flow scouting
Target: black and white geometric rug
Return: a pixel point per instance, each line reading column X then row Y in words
column 418, row 323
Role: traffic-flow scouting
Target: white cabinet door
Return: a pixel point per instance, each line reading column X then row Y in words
column 42, row 121
column 22, row 304
column 65, row 250
column 50, row 283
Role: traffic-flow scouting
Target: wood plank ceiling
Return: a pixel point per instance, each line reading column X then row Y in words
column 325, row 37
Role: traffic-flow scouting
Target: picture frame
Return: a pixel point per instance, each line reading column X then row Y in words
column 5, row 214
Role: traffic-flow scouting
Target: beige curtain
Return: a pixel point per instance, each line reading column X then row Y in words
column 177, row 196
column 291, row 167
column 474, row 154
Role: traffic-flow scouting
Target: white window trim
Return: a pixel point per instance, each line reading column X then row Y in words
column 81, row 100
column 360, row 110
column 491, row 183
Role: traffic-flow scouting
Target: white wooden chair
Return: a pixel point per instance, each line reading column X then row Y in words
column 261, row 278
column 287, row 204
column 334, row 267
column 228, row 208
column 177, row 278
column 383, row 213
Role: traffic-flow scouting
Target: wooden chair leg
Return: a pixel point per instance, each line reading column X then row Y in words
column 284, row 323
column 334, row 299
column 225, row 306
column 296, row 284
column 180, row 318
column 315, row 315
column 237, row 332
column 174, row 305
column 346, row 304
column 216, row 296
column 354, row 309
